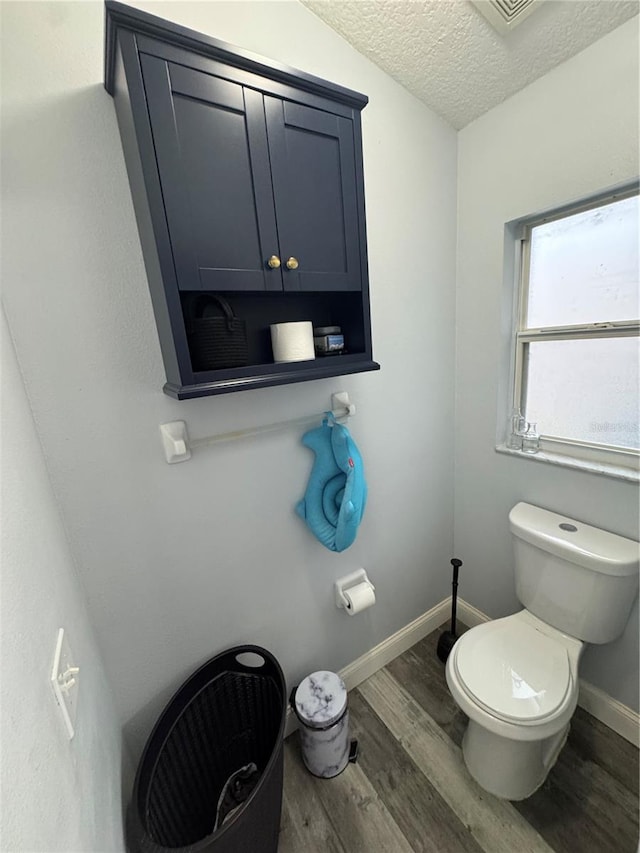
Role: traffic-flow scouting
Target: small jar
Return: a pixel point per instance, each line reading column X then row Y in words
column 531, row 439
column 328, row 340
column 516, row 429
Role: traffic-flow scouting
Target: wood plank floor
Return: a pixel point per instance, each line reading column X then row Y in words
column 410, row 791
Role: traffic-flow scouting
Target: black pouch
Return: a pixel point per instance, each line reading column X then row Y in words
column 216, row 342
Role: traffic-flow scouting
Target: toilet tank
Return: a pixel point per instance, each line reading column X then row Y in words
column 577, row 578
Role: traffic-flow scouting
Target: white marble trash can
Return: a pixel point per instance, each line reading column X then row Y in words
column 320, row 703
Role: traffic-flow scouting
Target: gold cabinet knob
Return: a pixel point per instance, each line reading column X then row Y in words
column 273, row 262
column 292, row 264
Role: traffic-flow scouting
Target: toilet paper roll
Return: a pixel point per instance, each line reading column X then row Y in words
column 292, row 341
column 359, row 597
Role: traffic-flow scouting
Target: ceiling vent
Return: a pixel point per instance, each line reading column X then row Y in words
column 505, row 15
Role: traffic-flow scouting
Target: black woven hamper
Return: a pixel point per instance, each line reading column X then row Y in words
column 224, row 717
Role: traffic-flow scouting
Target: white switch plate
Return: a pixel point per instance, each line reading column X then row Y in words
column 64, row 681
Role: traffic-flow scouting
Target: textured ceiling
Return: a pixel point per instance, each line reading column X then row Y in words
column 449, row 56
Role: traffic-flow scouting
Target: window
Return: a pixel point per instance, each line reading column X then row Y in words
column 576, row 339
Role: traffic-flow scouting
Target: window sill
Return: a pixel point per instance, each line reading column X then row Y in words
column 605, row 469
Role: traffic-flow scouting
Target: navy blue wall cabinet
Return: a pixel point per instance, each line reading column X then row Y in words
column 247, row 181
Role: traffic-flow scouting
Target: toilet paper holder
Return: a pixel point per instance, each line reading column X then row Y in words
column 348, row 582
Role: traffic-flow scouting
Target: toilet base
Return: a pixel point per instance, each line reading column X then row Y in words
column 509, row 769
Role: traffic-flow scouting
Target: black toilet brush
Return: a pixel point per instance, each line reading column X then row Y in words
column 448, row 639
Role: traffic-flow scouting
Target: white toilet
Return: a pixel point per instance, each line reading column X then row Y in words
column 517, row 678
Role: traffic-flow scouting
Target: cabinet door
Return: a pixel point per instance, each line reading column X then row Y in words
column 213, row 161
column 315, row 191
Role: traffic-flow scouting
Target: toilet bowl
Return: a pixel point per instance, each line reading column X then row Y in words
column 516, row 679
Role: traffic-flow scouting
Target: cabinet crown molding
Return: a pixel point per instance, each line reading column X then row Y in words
column 119, row 15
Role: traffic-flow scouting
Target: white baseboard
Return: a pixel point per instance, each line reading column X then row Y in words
column 398, row 643
column 623, row 720
column 470, row 615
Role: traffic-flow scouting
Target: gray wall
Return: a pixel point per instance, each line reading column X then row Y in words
column 568, row 135
column 181, row 561
column 56, row 794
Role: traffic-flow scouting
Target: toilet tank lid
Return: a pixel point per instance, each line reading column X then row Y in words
column 575, row 541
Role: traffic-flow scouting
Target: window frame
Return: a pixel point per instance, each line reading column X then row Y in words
column 523, row 335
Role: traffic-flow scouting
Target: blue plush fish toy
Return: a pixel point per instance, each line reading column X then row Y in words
column 336, row 495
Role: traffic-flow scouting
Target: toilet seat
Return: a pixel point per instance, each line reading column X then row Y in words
column 513, row 671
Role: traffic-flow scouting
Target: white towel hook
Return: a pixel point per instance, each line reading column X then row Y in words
column 175, row 441
column 341, row 400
